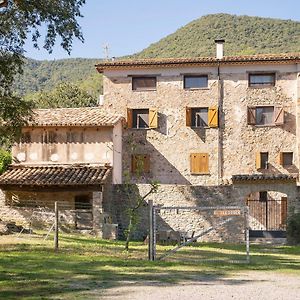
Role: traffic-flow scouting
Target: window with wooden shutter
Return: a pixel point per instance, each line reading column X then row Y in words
column 278, row 115
column 262, row 160
column 199, row 163
column 153, row 118
column 251, row 115
column 213, row 117
column 286, row 159
column 140, row 163
column 129, row 118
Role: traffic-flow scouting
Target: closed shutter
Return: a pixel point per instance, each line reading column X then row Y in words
column 153, row 118
column 188, row 116
column 283, row 212
column 278, row 115
column 199, row 163
column 213, row 117
column 280, row 158
column 140, row 163
column 258, row 160
column 129, row 118
column 251, row 116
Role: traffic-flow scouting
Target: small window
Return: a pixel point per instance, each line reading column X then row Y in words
column 140, row 163
column 261, row 80
column 195, row 81
column 286, row 159
column 263, row 196
column 262, row 160
column 202, row 117
column 266, row 115
column 142, row 118
column 143, row 83
column 199, row 117
column 199, row 163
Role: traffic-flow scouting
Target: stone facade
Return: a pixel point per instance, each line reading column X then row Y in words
column 232, row 146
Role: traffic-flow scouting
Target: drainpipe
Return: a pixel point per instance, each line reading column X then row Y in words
column 219, row 56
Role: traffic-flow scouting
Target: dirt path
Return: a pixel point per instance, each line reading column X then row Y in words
column 250, row 285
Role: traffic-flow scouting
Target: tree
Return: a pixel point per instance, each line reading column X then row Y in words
column 18, row 18
column 63, row 95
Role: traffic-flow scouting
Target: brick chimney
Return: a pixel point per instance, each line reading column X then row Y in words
column 220, row 48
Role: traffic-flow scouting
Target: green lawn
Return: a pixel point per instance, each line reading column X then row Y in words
column 30, row 269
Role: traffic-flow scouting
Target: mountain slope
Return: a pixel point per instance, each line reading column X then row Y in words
column 243, row 35
column 45, row 75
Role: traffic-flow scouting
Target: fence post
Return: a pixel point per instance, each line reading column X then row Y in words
column 56, row 226
column 151, row 232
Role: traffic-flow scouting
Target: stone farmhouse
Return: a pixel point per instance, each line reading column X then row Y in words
column 212, row 131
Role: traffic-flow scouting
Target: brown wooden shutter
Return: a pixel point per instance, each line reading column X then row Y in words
column 213, row 117
column 258, row 160
column 199, row 163
column 283, row 212
column 129, row 118
column 188, row 116
column 140, row 163
column 280, row 158
column 153, row 118
column 278, row 115
column 133, row 163
column 146, row 160
column 251, row 116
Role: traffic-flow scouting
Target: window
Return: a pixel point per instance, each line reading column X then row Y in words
column 143, row 83
column 201, row 117
column 199, row 163
column 195, row 81
column 265, row 115
column 142, row 118
column 262, row 80
column 262, row 160
column 140, row 163
column 286, row 159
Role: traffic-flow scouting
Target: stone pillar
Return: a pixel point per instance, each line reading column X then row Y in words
column 97, row 213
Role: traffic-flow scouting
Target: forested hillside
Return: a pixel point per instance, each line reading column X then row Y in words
column 243, row 35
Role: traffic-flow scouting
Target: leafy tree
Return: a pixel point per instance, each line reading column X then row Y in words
column 17, row 19
column 64, row 95
column 5, row 160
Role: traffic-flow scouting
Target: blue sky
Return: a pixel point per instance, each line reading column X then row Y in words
column 132, row 25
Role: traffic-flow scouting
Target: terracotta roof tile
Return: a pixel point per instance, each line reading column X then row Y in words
column 211, row 61
column 83, row 116
column 262, row 177
column 57, row 175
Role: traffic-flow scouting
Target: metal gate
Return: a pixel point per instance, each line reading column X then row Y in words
column 268, row 215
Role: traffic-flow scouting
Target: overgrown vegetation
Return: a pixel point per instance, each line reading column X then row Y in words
column 293, row 229
column 5, row 160
column 85, row 267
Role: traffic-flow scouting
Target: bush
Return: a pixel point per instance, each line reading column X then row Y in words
column 5, row 160
column 293, row 229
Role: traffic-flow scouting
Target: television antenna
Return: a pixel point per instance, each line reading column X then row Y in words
column 106, row 50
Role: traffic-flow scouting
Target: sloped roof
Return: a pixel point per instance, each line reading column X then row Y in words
column 57, row 175
column 198, row 61
column 83, row 116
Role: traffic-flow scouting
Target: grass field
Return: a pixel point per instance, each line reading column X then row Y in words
column 30, row 269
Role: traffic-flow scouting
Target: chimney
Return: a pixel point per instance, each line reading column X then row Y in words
column 220, row 48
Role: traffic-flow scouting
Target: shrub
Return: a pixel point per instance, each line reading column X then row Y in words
column 5, row 160
column 293, row 229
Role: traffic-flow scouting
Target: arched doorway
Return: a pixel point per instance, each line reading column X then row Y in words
column 267, row 213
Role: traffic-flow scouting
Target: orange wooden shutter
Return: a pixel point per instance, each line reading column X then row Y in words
column 129, row 118
column 188, row 116
column 251, row 115
column 278, row 115
column 213, row 117
column 280, row 159
column 258, row 161
column 199, row 163
column 283, row 212
column 153, row 118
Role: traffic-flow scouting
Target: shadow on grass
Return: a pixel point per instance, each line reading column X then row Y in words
column 83, row 264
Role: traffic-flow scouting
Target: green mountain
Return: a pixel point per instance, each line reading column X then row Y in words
column 243, row 35
column 46, row 75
